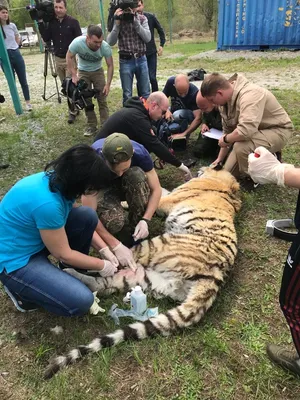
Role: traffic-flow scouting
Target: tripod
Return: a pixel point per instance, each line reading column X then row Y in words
column 50, row 58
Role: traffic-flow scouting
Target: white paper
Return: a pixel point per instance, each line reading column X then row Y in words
column 213, row 134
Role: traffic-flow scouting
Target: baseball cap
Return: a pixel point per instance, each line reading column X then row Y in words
column 117, row 147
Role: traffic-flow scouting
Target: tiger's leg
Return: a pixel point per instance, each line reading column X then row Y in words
column 122, row 281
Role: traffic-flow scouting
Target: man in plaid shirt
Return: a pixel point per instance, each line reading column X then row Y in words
column 131, row 30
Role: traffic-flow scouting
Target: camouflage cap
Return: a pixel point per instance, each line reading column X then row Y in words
column 117, row 147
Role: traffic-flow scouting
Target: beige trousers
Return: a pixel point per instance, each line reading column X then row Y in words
column 274, row 140
column 61, row 67
column 96, row 79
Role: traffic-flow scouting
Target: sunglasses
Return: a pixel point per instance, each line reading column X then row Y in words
column 163, row 112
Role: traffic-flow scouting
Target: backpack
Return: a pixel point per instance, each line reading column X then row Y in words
column 196, row 75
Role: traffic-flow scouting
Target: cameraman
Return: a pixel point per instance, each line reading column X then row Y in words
column 90, row 50
column 62, row 30
column 131, row 30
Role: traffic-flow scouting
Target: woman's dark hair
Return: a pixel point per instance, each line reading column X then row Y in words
column 77, row 171
column 2, row 7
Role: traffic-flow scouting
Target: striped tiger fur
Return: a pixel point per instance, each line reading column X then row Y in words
column 187, row 263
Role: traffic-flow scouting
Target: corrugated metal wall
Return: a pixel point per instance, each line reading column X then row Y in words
column 258, row 24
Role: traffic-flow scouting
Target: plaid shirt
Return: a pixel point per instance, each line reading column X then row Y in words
column 129, row 40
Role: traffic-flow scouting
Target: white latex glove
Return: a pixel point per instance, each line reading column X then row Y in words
column 124, row 256
column 106, row 254
column 141, row 230
column 263, row 167
column 108, row 270
column 187, row 172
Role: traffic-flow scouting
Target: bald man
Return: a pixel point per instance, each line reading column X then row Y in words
column 135, row 120
column 183, row 104
column 211, row 118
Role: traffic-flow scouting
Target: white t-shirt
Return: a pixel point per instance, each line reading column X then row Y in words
column 10, row 31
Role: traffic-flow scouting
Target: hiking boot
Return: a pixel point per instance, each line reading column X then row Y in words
column 19, row 303
column 286, row 359
column 91, row 131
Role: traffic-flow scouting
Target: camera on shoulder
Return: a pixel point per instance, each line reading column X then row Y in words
column 42, row 10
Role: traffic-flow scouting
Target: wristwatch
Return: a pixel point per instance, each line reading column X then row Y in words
column 224, row 138
column 145, row 219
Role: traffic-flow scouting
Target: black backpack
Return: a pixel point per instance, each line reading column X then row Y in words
column 196, row 75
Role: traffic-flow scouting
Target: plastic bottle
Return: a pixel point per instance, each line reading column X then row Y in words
column 138, row 300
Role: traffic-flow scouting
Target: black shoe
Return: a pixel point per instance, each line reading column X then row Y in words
column 286, row 359
column 71, row 118
column 19, row 303
column 247, row 185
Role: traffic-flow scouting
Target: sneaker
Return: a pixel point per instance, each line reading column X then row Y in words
column 71, row 118
column 19, row 303
column 286, row 359
column 28, row 107
column 247, row 185
column 90, row 132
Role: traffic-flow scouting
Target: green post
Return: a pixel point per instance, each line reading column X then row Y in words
column 37, row 30
column 170, row 18
column 102, row 18
column 9, row 75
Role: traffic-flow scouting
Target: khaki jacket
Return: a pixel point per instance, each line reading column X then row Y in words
column 252, row 109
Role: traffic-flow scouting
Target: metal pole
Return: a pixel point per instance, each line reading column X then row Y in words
column 170, row 18
column 102, row 18
column 9, row 75
column 37, row 30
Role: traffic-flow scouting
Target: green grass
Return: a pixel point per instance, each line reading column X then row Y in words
column 223, row 357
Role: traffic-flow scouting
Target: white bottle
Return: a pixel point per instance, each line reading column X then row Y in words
column 138, row 300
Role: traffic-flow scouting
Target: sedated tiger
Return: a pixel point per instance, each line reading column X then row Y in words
column 187, row 263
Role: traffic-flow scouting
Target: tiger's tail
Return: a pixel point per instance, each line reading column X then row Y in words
column 199, row 300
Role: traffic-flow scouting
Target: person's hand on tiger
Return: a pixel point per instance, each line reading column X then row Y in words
column 124, row 256
column 106, row 254
column 204, row 128
column 108, row 270
column 141, row 230
column 263, row 167
column 187, row 172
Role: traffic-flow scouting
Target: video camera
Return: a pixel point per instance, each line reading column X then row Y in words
column 42, row 10
column 125, row 5
column 77, row 95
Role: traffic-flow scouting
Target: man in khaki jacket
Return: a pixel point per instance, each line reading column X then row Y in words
column 251, row 117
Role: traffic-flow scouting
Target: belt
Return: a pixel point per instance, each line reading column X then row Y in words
column 129, row 56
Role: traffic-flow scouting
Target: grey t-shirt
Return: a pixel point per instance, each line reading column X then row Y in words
column 10, row 31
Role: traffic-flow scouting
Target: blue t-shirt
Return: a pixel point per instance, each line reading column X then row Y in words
column 141, row 158
column 89, row 60
column 28, row 207
column 187, row 102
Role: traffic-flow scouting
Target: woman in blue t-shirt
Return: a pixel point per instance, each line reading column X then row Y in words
column 38, row 218
column 12, row 40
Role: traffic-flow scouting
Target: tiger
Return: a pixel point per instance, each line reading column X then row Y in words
column 187, row 263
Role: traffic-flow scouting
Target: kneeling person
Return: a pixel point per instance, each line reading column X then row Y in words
column 134, row 179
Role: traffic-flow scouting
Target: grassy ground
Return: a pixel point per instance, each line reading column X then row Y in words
column 223, row 357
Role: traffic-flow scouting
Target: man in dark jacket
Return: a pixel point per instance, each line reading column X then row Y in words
column 151, row 50
column 62, row 30
column 134, row 120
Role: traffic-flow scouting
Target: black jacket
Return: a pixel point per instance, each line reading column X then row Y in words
column 154, row 24
column 133, row 120
column 61, row 33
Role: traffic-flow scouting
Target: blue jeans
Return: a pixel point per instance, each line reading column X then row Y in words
column 139, row 68
column 184, row 117
column 45, row 285
column 18, row 67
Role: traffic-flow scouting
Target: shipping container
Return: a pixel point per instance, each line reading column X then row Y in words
column 258, row 24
